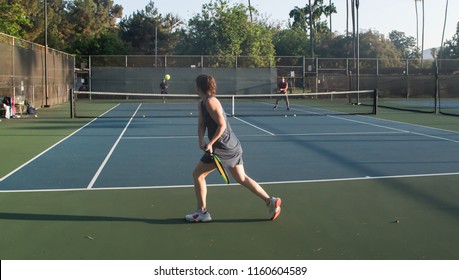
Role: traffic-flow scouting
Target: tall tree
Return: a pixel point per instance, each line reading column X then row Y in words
column 309, row 19
column 70, row 21
column 331, row 25
column 13, row 18
column 444, row 25
column 108, row 43
column 450, row 49
column 417, row 22
column 60, row 31
column 374, row 45
column 347, row 17
column 221, row 29
column 291, row 42
column 406, row 45
column 423, row 32
column 90, row 18
column 148, row 32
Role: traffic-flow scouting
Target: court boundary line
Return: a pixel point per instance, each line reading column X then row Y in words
column 235, row 184
column 252, row 125
column 401, row 130
column 104, row 162
column 159, row 137
column 388, row 127
column 426, row 127
column 272, row 134
column 46, row 150
column 275, row 135
column 54, row 145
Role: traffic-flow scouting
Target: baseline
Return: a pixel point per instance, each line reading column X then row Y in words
column 235, row 184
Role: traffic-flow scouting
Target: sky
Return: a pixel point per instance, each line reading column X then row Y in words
column 382, row 16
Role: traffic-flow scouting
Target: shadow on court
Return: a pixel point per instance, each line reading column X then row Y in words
column 80, row 218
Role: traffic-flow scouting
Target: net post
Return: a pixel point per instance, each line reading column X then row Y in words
column 232, row 105
column 375, row 101
column 437, row 89
column 72, row 103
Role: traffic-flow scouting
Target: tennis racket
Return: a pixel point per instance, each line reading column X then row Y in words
column 220, row 168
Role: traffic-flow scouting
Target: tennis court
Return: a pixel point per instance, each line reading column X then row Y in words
column 353, row 186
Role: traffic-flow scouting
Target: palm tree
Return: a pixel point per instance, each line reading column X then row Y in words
column 353, row 28
column 250, row 11
column 358, row 47
column 423, row 21
column 444, row 26
column 311, row 33
column 331, row 29
column 347, row 17
column 417, row 24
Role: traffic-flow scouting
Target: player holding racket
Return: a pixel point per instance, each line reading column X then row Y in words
column 282, row 88
column 164, row 86
column 224, row 143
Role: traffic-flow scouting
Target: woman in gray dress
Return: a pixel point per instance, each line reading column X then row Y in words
column 223, row 142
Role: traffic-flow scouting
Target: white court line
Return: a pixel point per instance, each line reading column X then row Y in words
column 400, row 130
column 274, row 135
column 159, row 137
column 50, row 148
column 341, row 133
column 109, row 110
column 235, row 184
column 101, row 167
column 45, row 151
column 293, row 108
column 252, row 125
column 384, row 126
column 270, row 133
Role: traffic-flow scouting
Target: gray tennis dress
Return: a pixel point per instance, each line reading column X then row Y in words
column 227, row 147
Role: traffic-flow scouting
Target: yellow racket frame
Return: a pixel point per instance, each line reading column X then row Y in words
column 220, row 168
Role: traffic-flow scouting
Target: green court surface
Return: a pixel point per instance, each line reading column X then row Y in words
column 360, row 188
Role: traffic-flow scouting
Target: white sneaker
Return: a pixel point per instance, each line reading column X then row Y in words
column 199, row 216
column 274, row 207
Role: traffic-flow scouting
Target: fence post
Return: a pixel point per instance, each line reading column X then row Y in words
column 72, row 103
column 90, row 76
column 317, row 74
column 304, row 73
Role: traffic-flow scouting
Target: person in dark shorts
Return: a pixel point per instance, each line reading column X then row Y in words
column 282, row 88
column 223, row 142
column 164, row 86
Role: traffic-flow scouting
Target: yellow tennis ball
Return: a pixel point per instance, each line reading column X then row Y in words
column 167, row 77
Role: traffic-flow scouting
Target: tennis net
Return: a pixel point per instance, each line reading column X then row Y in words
column 127, row 105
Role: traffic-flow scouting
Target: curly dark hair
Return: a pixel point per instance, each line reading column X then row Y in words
column 207, row 84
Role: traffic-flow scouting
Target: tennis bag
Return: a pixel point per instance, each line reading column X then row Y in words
column 30, row 110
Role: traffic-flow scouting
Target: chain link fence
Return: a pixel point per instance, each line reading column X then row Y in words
column 418, row 85
column 22, row 75
column 421, row 85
